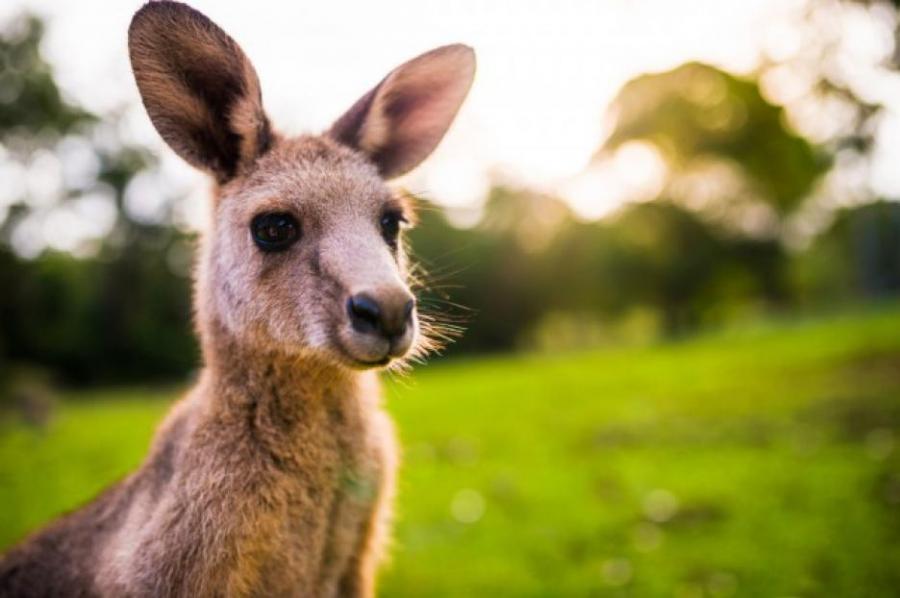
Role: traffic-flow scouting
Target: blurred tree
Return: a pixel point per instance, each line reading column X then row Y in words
column 488, row 277
column 697, row 114
column 529, row 259
column 834, row 80
column 685, row 269
column 30, row 100
column 122, row 310
column 858, row 255
column 734, row 172
column 840, row 74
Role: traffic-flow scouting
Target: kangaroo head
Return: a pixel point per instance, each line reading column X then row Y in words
column 304, row 254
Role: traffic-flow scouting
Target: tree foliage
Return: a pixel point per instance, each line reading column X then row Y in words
column 121, row 313
column 30, row 101
column 697, row 112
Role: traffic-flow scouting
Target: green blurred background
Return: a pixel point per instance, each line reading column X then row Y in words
column 696, row 394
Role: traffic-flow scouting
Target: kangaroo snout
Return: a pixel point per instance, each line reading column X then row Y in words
column 384, row 322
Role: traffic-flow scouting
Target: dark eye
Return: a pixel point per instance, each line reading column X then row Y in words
column 390, row 226
column 274, row 231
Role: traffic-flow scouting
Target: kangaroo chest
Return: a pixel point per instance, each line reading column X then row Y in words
column 328, row 482
column 271, row 502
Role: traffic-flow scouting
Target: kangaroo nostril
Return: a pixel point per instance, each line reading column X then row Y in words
column 365, row 315
column 407, row 309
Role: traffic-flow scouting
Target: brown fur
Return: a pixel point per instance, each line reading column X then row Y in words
column 274, row 475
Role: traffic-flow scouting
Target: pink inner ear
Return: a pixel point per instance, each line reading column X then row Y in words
column 408, row 113
column 423, row 107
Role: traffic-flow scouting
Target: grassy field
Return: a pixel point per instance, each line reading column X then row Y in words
column 759, row 462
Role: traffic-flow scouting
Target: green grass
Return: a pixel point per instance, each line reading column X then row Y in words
column 755, row 462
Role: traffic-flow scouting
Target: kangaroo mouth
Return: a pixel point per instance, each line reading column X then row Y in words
column 364, row 351
column 363, row 363
column 374, row 364
column 362, row 354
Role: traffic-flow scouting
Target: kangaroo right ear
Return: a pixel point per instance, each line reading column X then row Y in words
column 200, row 90
column 399, row 122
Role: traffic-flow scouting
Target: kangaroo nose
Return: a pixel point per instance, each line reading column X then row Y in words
column 389, row 318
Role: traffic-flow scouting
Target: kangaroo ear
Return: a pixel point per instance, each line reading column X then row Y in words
column 399, row 122
column 200, row 90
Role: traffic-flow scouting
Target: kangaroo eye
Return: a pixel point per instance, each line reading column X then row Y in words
column 274, row 231
column 390, row 226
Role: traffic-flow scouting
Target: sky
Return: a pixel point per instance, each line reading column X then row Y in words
column 547, row 72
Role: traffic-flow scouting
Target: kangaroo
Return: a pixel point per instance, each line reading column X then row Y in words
column 273, row 475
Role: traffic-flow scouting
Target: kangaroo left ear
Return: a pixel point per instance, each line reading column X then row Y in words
column 200, row 90
column 400, row 122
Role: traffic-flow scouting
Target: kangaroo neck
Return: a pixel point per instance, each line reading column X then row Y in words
column 267, row 393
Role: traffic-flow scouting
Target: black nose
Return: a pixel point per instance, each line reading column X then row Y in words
column 389, row 318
